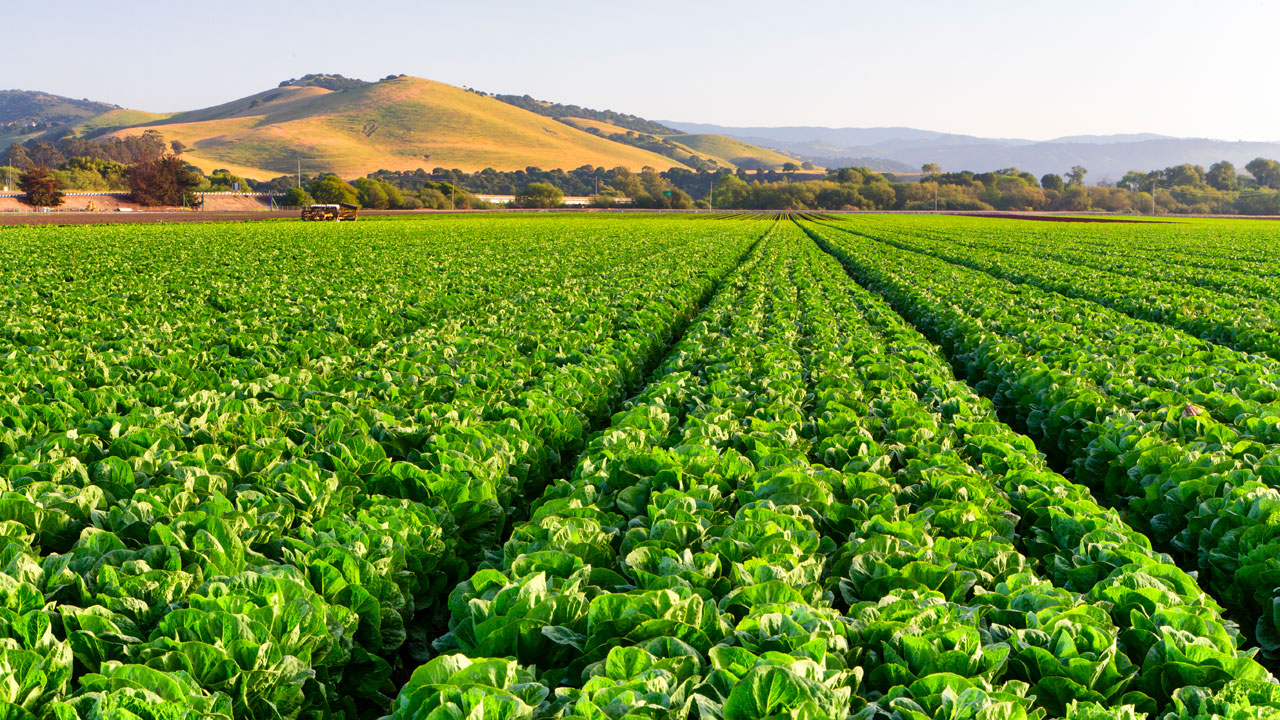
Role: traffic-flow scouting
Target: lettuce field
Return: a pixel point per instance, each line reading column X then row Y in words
column 579, row 467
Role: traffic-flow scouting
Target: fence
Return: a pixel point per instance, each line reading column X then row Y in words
column 123, row 193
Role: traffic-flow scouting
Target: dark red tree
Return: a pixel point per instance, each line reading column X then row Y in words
column 41, row 187
column 165, row 180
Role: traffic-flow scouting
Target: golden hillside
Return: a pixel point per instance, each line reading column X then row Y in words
column 732, row 151
column 397, row 124
column 727, row 152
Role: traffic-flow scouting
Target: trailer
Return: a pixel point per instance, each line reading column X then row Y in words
column 331, row 211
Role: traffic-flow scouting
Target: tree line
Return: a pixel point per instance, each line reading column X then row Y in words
column 1179, row 189
column 163, row 181
column 443, row 189
column 149, row 169
column 153, row 172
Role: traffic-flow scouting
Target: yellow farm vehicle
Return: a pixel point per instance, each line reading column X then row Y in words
column 332, row 211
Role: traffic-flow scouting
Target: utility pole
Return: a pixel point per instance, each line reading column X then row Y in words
column 711, row 197
column 453, row 192
column 935, row 196
column 299, row 172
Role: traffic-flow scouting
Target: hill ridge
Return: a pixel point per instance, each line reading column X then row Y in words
column 398, row 123
column 31, row 111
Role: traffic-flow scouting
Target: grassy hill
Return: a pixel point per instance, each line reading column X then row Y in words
column 26, row 114
column 114, row 119
column 26, row 106
column 726, row 151
column 735, row 152
column 397, row 124
column 603, row 128
column 353, row 127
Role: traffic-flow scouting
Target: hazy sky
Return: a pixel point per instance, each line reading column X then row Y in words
column 1029, row 68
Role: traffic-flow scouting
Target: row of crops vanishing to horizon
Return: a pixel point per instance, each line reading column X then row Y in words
column 735, row 467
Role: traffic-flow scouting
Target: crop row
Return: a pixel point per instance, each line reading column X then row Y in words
column 1244, row 322
column 1183, row 436
column 805, row 515
column 1236, row 257
column 1206, row 256
column 261, row 523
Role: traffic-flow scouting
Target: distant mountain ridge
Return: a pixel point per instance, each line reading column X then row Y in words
column 350, row 126
column 1105, row 156
column 1111, row 139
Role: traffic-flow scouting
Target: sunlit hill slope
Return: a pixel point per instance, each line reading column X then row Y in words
column 401, row 123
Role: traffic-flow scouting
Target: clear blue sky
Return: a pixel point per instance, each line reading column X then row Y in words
column 1028, row 68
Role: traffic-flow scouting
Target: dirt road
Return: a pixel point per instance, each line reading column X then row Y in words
column 90, row 218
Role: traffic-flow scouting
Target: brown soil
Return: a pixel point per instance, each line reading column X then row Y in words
column 88, row 218
column 224, row 203
column 178, row 215
column 1048, row 218
column 94, row 209
column 71, row 203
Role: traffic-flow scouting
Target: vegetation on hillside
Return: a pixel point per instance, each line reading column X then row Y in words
column 337, row 83
column 658, row 144
column 28, row 112
column 741, row 154
column 558, row 110
column 128, row 150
